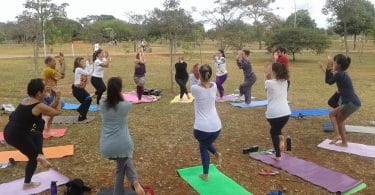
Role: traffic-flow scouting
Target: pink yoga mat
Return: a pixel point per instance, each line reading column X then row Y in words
column 55, row 133
column 132, row 97
column 15, row 187
column 353, row 148
column 311, row 172
column 2, row 136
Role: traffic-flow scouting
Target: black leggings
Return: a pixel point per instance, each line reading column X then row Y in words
column 84, row 98
column 99, row 86
column 277, row 125
column 182, row 84
column 29, row 144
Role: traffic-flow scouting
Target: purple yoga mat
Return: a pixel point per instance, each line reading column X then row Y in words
column 353, row 148
column 132, row 97
column 311, row 172
column 15, row 187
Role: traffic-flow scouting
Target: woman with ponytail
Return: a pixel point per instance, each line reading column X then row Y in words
column 115, row 140
column 100, row 62
column 207, row 124
column 349, row 101
column 278, row 111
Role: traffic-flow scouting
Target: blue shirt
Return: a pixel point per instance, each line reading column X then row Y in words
column 344, row 86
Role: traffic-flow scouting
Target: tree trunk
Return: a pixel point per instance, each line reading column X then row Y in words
column 294, row 56
column 260, row 44
column 36, row 54
column 135, row 45
column 345, row 40
column 171, row 43
column 355, row 40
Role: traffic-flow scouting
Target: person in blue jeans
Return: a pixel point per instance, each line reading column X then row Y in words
column 207, row 124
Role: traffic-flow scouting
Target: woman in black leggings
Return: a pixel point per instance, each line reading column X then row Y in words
column 182, row 76
column 25, row 126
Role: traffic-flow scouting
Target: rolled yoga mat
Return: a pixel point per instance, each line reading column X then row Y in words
column 15, row 187
column 313, row 173
column 218, row 184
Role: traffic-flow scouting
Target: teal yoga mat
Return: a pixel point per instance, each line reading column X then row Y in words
column 218, row 184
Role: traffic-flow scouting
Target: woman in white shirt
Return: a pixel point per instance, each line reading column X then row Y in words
column 221, row 71
column 100, row 62
column 278, row 111
column 81, row 72
column 207, row 124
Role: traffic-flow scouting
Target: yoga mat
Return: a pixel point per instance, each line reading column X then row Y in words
column 176, row 99
column 353, row 148
column 49, row 152
column 108, row 191
column 311, row 172
column 54, row 133
column 2, row 137
column 356, row 189
column 15, row 187
column 71, row 120
column 312, row 112
column 231, row 98
column 68, row 106
column 327, row 127
column 217, row 184
column 132, row 97
column 251, row 105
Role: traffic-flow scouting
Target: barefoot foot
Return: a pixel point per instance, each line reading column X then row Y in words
column 335, row 139
column 30, row 185
column 342, row 144
column 204, row 177
column 219, row 159
column 138, row 188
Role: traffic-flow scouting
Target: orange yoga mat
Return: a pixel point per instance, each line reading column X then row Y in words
column 49, row 152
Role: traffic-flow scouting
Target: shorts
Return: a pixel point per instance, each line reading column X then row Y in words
column 348, row 108
column 48, row 99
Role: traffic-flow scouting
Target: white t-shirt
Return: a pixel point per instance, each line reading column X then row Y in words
column 220, row 66
column 78, row 73
column 277, row 96
column 206, row 117
column 98, row 69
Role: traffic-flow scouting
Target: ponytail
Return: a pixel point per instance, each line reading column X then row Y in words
column 206, row 72
column 280, row 71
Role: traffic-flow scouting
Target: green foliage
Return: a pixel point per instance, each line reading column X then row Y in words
column 297, row 39
column 303, row 20
column 2, row 37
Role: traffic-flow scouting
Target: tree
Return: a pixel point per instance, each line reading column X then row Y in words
column 340, row 10
column 303, row 20
column 43, row 10
column 2, row 37
column 297, row 39
column 255, row 10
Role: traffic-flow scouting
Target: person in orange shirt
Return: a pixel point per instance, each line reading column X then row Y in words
column 50, row 76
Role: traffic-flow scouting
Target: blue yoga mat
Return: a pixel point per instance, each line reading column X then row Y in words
column 251, row 105
column 68, row 106
column 317, row 112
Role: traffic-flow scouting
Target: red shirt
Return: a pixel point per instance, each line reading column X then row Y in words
column 283, row 60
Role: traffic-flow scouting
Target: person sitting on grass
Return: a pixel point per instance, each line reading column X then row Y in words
column 115, row 140
column 24, row 129
column 349, row 100
column 50, row 76
column 207, row 124
column 278, row 111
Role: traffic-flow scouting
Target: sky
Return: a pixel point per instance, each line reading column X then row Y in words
column 120, row 8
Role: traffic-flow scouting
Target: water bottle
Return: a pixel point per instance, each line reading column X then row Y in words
column 53, row 188
column 288, row 143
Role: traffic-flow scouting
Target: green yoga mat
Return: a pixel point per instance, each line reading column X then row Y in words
column 218, row 184
column 356, row 189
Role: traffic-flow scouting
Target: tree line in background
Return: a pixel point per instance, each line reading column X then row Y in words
column 236, row 24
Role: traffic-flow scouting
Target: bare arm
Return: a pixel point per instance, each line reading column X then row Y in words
column 267, row 72
column 46, row 110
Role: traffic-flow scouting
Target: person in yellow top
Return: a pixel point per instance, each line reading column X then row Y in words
column 50, row 76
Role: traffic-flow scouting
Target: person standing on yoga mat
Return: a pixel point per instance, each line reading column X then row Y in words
column 207, row 124
column 244, row 63
column 140, row 73
column 181, row 76
column 221, row 71
column 349, row 99
column 278, row 111
column 50, row 76
column 100, row 59
column 24, row 131
column 115, row 140
column 81, row 72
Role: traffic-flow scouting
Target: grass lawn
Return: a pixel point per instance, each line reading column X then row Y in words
column 162, row 132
